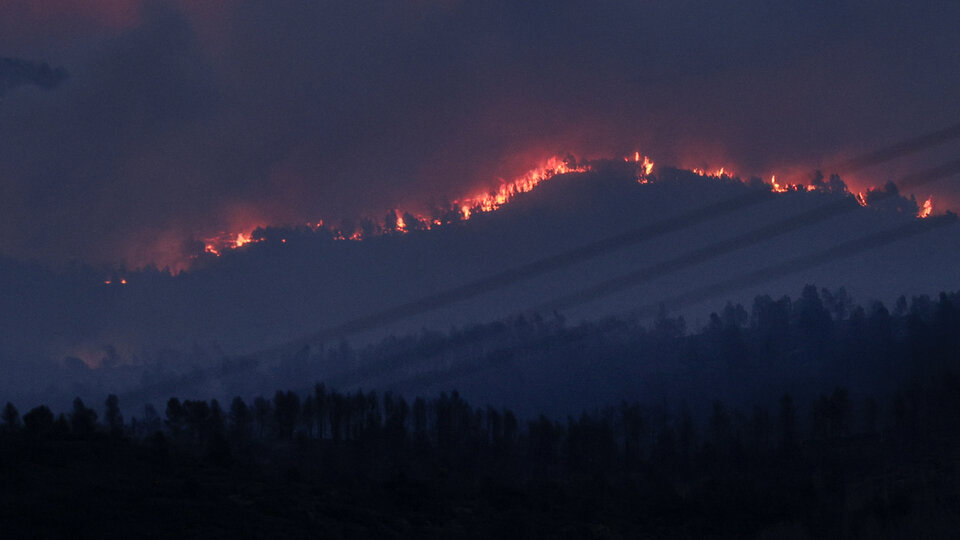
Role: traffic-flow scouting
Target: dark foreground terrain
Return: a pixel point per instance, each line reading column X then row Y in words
column 834, row 463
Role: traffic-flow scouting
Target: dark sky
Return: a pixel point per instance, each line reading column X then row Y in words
column 180, row 118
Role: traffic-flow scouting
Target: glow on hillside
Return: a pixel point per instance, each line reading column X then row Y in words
column 399, row 221
column 403, row 222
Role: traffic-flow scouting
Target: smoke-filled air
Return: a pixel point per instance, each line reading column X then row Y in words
column 489, row 269
column 132, row 131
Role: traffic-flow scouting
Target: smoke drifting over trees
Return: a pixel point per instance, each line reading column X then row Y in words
column 870, row 457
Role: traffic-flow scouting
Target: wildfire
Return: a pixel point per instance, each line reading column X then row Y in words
column 468, row 207
column 487, row 202
column 242, row 239
column 777, row 188
column 716, row 173
column 464, row 208
column 644, row 167
column 217, row 244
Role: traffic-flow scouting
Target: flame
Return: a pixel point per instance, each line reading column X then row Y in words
column 487, row 202
column 644, row 167
column 468, row 207
column 777, row 188
column 715, row 173
column 216, row 245
column 242, row 239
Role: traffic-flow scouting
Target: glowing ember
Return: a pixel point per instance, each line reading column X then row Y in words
column 861, row 199
column 926, row 209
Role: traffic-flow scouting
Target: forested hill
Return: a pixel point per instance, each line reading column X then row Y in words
column 570, row 235
column 543, row 364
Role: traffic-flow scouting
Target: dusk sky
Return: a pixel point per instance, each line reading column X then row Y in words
column 180, row 119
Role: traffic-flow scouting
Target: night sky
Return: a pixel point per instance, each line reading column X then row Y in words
column 156, row 123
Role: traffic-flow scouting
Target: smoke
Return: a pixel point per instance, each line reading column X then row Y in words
column 184, row 119
column 15, row 72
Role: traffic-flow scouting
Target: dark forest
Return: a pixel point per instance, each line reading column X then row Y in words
column 876, row 457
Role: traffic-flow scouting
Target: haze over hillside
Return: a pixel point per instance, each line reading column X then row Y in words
column 294, row 283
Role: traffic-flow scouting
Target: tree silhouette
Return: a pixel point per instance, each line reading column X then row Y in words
column 286, row 410
column 83, row 420
column 788, row 424
column 150, row 422
column 320, row 407
column 112, row 415
column 241, row 421
column 38, row 421
column 176, row 418
column 261, row 415
column 11, row 418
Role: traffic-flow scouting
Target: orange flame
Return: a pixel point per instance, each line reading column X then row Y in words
column 487, row 202
column 217, row 244
column 466, row 208
column 715, row 173
column 777, row 188
column 242, row 239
